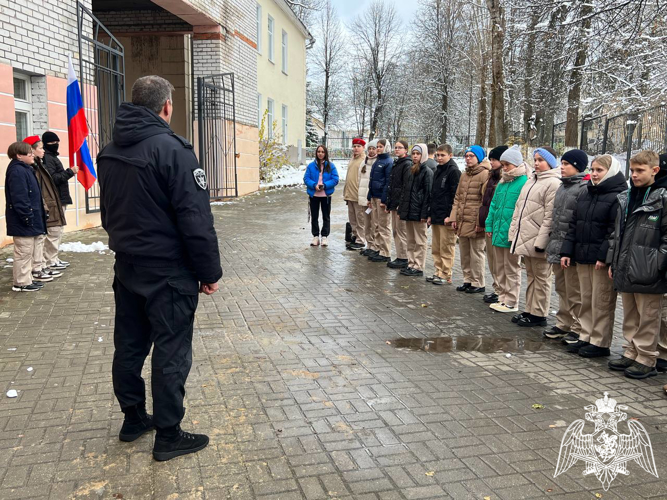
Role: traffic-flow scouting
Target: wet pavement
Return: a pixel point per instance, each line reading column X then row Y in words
column 317, row 374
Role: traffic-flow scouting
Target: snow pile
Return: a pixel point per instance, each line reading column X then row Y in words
column 289, row 175
column 78, row 247
column 218, row 203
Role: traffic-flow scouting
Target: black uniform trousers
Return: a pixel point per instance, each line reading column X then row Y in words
column 155, row 306
column 315, row 203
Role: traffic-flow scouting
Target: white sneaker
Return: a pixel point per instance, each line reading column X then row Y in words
column 504, row 308
column 324, row 241
column 495, row 306
column 315, row 242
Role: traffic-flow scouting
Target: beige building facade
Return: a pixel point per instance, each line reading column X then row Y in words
column 282, row 41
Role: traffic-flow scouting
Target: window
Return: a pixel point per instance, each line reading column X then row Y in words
column 259, row 28
column 284, row 52
column 22, row 106
column 259, row 110
column 284, row 127
column 271, row 26
column 269, row 117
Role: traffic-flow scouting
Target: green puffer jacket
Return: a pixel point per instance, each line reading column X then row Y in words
column 502, row 206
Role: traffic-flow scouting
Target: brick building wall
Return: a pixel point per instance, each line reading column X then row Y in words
column 142, row 21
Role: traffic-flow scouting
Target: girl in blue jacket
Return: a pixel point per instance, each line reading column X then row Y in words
column 320, row 179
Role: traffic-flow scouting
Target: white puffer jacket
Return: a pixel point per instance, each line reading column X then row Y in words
column 531, row 222
column 365, row 179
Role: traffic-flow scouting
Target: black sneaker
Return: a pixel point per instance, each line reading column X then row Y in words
column 593, row 351
column 372, row 253
column 620, row 364
column 412, row 272
column 63, row 263
column 26, row 288
column 51, row 272
column 475, row 289
column 532, row 320
column 491, row 298
column 638, row 371
column 133, row 431
column 661, row 365
column 182, row 444
column 398, row 264
column 517, row 317
column 380, row 258
column 58, row 266
column 406, row 271
column 431, row 278
column 41, row 276
column 555, row 333
column 574, row 348
column 463, row 288
column 570, row 338
column 356, row 246
column 38, row 284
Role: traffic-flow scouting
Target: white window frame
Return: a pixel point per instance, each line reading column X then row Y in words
column 271, row 28
column 284, row 125
column 259, row 29
column 24, row 106
column 260, row 113
column 269, row 117
column 284, row 51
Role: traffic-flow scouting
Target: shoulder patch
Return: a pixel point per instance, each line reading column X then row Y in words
column 200, row 178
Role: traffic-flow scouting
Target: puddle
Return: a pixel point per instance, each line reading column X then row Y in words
column 469, row 343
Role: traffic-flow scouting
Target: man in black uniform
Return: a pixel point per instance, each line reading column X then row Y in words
column 155, row 206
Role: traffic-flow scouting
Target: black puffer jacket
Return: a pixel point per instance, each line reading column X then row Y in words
column 154, row 198
column 60, row 176
column 445, row 182
column 396, row 181
column 416, row 197
column 592, row 222
column 564, row 205
column 638, row 252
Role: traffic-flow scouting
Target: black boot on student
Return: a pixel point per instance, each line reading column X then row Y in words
column 137, row 422
column 173, row 442
column 398, row 264
column 532, row 320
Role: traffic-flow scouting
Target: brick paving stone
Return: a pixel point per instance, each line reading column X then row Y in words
column 295, row 383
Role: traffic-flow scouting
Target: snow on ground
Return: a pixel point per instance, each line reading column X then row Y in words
column 78, row 247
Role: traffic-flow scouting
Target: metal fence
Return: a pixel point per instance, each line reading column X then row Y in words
column 621, row 135
column 340, row 148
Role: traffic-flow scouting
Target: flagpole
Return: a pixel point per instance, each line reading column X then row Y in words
column 76, row 193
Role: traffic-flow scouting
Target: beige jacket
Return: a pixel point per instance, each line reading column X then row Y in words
column 468, row 200
column 365, row 179
column 351, row 189
column 531, row 222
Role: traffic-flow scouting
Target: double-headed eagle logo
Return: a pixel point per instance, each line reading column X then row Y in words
column 606, row 451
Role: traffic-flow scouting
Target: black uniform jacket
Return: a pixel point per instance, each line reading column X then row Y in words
column 154, row 199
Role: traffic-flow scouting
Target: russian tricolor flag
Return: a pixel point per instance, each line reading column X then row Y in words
column 77, row 129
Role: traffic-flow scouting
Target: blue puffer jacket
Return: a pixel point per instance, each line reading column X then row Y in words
column 379, row 183
column 312, row 176
column 24, row 209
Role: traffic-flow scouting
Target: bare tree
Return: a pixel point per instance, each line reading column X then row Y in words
column 375, row 35
column 306, row 9
column 328, row 61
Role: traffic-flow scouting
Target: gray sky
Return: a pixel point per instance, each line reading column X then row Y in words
column 349, row 9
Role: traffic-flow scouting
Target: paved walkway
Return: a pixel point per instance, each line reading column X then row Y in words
column 299, row 384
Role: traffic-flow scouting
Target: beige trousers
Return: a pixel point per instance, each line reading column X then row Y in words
column 569, row 298
column 381, row 222
column 399, row 232
column 369, row 237
column 443, row 249
column 38, row 262
column 598, row 305
column 24, row 249
column 52, row 243
column 538, row 288
column 641, row 326
column 417, row 238
column 472, row 260
column 508, row 277
column 490, row 258
column 357, row 218
column 662, row 340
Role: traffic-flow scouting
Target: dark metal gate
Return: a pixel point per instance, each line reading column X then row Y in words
column 102, row 80
column 216, row 111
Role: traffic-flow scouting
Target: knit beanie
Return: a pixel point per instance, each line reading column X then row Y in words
column 550, row 159
column 372, row 144
column 512, row 155
column 49, row 136
column 663, row 167
column 497, row 152
column 478, row 151
column 577, row 158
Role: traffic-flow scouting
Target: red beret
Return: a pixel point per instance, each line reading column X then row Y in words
column 358, row 140
column 32, row 140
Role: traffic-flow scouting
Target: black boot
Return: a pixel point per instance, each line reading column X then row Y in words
column 137, row 422
column 174, row 442
column 532, row 320
column 398, row 263
column 517, row 317
column 491, row 298
column 463, row 288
